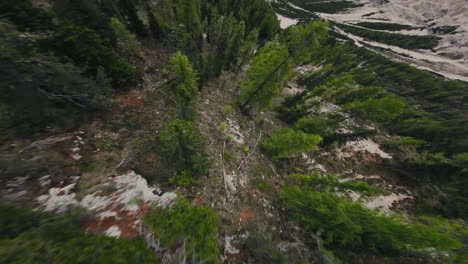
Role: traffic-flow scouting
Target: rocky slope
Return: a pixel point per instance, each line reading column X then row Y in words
column 449, row 58
column 108, row 149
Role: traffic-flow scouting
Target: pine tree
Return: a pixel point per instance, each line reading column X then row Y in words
column 225, row 36
column 304, row 40
column 234, row 44
column 155, row 26
column 270, row 68
column 188, row 16
column 183, row 84
column 246, row 51
column 287, row 142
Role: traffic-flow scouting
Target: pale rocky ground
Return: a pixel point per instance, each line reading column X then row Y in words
column 449, row 59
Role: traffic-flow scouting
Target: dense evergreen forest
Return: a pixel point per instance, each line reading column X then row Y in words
column 233, row 132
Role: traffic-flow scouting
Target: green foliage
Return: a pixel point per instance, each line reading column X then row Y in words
column 431, row 160
column 131, row 11
column 352, row 226
column 87, row 49
column 226, row 37
column 183, row 179
column 332, row 183
column 86, row 13
column 400, row 40
column 263, row 186
column 222, row 127
column 246, row 50
column 261, row 244
column 87, row 166
column 444, row 30
column 336, row 88
column 454, row 227
column 246, row 149
column 440, row 113
column 189, row 21
column 126, row 40
column 460, row 160
column 15, row 220
column 41, row 238
column 25, row 15
column 183, row 84
column 188, row 226
column 405, row 141
column 287, row 142
column 319, row 6
column 270, row 69
column 181, row 146
column 385, row 26
column 362, row 94
column 256, row 14
column 313, row 125
column 156, row 26
column 50, row 93
column 381, row 110
column 303, row 40
column 188, row 13
column 228, row 110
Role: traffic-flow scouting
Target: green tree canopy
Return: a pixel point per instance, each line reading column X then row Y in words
column 192, row 227
column 350, row 225
column 270, row 69
column 185, row 80
column 381, row 110
column 287, row 142
column 182, row 148
column 183, row 84
column 303, row 40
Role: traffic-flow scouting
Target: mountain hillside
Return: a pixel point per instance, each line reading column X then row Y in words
column 222, row 131
column 430, row 35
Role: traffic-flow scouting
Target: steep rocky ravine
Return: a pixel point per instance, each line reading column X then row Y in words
column 130, row 125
